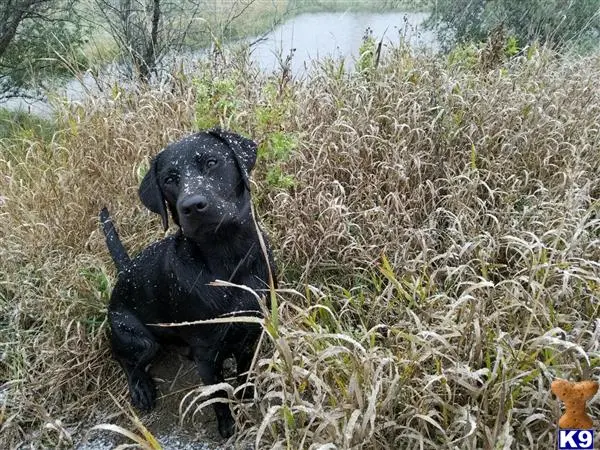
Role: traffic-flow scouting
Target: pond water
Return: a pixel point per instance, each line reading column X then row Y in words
column 312, row 36
column 337, row 34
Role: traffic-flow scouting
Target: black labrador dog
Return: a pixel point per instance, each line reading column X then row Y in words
column 202, row 181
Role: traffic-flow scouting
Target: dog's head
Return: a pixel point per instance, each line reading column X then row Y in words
column 203, row 181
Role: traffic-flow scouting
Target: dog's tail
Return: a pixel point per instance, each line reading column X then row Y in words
column 113, row 242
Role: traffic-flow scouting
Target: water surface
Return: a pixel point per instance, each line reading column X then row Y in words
column 338, row 35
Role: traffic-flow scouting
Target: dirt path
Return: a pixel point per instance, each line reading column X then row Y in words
column 175, row 376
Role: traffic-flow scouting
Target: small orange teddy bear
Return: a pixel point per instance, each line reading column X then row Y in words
column 574, row 396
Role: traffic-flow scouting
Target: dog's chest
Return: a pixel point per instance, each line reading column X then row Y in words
column 195, row 291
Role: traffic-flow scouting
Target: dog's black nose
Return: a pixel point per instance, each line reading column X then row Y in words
column 193, row 204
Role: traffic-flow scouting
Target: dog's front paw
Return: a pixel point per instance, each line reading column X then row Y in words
column 226, row 425
column 143, row 393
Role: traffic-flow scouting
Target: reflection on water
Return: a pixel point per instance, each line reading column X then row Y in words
column 310, row 35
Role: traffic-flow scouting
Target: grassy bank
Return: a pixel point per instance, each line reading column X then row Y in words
column 437, row 227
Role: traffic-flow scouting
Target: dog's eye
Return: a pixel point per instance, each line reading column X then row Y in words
column 170, row 179
column 211, row 163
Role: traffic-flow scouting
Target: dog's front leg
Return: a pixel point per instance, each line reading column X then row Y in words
column 244, row 353
column 134, row 347
column 210, row 366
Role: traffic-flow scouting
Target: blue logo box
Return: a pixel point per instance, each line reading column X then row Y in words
column 575, row 439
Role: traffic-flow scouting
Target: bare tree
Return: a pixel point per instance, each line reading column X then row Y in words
column 146, row 30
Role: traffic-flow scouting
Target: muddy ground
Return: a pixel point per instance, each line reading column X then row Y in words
column 175, row 375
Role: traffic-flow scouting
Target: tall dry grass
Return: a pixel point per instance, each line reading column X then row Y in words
column 438, row 232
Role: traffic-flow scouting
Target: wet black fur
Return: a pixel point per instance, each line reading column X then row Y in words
column 168, row 281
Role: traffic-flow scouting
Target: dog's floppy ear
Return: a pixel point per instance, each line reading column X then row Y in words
column 151, row 195
column 244, row 151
